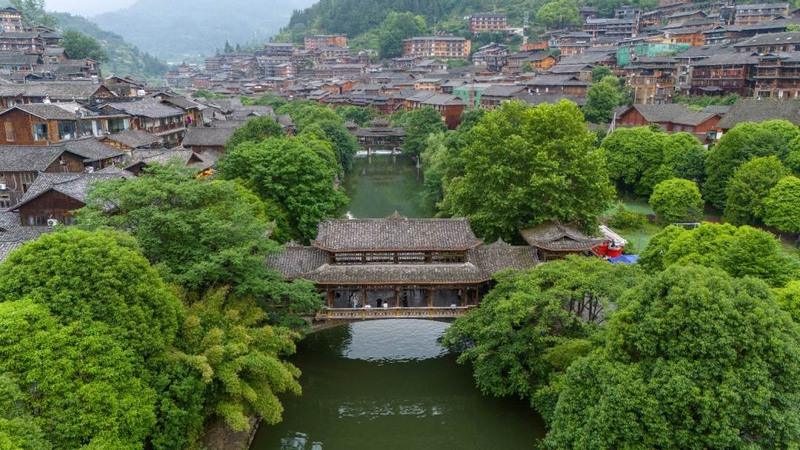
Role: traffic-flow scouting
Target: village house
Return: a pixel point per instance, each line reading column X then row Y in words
column 205, row 139
column 326, row 40
column 130, row 140
column 672, row 118
column 487, row 22
column 748, row 14
column 447, row 47
column 154, row 117
column 39, row 124
column 493, row 56
column 724, row 73
column 11, row 20
column 21, row 165
column 770, row 43
column 778, row 76
column 53, row 197
column 652, row 80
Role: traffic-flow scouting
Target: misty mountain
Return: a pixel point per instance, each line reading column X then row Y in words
column 189, row 29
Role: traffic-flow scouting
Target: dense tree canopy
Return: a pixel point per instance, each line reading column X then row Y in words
column 291, row 175
column 204, row 232
column 749, row 186
column 641, row 157
column 256, row 129
column 677, row 200
column 559, row 13
column 79, row 46
column 601, row 99
column 536, row 322
column 740, row 251
column 396, row 27
column 695, row 359
column 525, row 165
column 97, row 276
column 743, row 142
column 782, row 205
column 419, row 124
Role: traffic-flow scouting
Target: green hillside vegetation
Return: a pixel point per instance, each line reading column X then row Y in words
column 362, row 19
column 123, row 58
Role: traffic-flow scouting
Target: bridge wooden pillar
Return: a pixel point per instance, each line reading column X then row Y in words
column 397, row 297
column 462, row 296
column 430, row 297
column 329, row 296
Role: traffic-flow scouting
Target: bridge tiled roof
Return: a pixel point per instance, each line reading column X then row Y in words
column 558, row 237
column 482, row 263
column 395, row 233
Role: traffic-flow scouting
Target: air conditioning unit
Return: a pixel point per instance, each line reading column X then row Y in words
column 3, row 187
column 52, row 222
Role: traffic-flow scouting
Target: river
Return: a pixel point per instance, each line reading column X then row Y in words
column 389, row 384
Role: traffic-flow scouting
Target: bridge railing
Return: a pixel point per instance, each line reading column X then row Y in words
column 392, row 313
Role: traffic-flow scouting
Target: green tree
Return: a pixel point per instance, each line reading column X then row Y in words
column 18, row 429
column 641, row 157
column 559, row 14
column 256, row 129
column 418, row 125
column 85, row 385
column 601, row 99
column 525, row 165
column 79, row 46
column 740, row 251
column 206, row 233
column 788, row 299
column 305, row 113
column 361, row 116
column 749, row 186
column 600, row 72
column 225, row 339
column 694, row 359
column 519, row 336
column 33, row 13
column 291, row 175
column 782, row 205
column 344, row 144
column 396, row 27
column 95, row 276
column 743, row 142
column 677, row 200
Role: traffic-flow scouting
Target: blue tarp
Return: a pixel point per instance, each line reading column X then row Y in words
column 624, row 259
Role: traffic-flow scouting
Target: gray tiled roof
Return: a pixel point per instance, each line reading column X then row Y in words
column 396, row 233
column 74, row 185
column 91, row 149
column 753, row 110
column 46, row 111
column 77, row 90
column 558, row 237
column 150, row 108
column 673, row 113
column 134, row 138
column 207, row 137
column 13, row 234
column 28, row 159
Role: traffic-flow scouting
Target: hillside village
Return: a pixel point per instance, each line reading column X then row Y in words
column 65, row 124
column 680, row 48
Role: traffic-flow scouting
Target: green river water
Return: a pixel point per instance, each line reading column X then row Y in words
column 389, row 384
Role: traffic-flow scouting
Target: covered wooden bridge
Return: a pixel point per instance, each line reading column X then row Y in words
column 399, row 267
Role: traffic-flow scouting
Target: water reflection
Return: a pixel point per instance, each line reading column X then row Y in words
column 381, row 184
column 388, row 384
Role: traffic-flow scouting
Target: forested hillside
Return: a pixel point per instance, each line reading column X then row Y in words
column 123, row 58
column 184, row 29
column 357, row 17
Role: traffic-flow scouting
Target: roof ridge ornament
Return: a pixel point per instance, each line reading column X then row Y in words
column 397, row 216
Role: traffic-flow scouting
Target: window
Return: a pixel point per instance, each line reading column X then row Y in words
column 5, row 200
column 9, row 132
column 40, row 132
column 66, row 130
